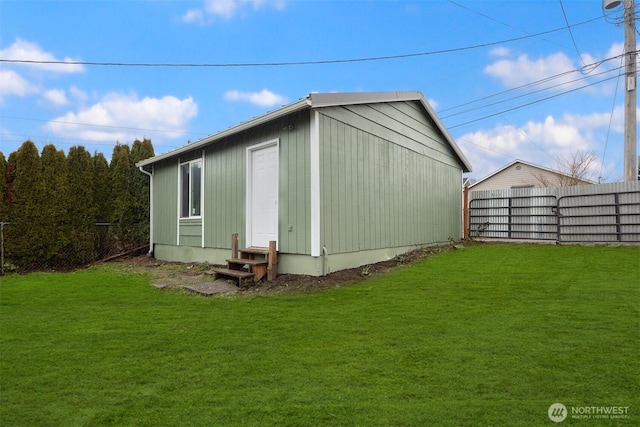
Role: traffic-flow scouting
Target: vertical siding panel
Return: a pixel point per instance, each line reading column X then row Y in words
column 361, row 195
column 166, row 200
column 306, row 215
column 386, row 183
column 334, row 189
column 297, row 195
column 286, row 175
column 380, row 191
column 396, row 217
column 344, row 183
column 354, row 196
column 327, row 145
column 376, row 194
column 366, row 196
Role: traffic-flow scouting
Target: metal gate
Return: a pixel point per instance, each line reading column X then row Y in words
column 514, row 217
column 600, row 217
column 597, row 217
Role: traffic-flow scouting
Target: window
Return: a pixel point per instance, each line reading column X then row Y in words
column 190, row 189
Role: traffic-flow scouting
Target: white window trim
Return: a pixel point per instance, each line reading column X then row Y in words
column 180, row 164
column 203, row 180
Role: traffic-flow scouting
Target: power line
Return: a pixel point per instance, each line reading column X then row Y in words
column 522, row 95
column 100, row 126
column 531, row 103
column 613, row 105
column 571, row 32
column 443, row 117
column 590, row 67
column 288, row 63
column 506, row 24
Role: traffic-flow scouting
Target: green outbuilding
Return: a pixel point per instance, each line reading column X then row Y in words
column 337, row 180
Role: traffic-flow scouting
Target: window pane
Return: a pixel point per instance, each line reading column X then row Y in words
column 196, row 183
column 184, row 191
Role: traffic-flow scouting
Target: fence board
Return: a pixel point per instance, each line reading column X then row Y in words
column 587, row 213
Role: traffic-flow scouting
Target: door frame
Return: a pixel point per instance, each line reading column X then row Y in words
column 249, row 188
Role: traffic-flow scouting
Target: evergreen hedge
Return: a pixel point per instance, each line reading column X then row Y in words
column 70, row 210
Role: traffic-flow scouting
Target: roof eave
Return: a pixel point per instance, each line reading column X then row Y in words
column 466, row 165
column 319, row 100
column 283, row 111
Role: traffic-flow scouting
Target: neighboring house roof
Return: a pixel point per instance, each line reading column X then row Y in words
column 319, row 100
column 542, row 169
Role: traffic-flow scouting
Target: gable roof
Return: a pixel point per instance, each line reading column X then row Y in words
column 527, row 164
column 319, row 100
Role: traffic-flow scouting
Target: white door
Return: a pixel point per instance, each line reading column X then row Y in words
column 262, row 206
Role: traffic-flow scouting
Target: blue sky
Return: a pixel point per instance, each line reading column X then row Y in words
column 507, row 78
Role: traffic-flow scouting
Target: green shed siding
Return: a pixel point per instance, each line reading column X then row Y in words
column 191, row 232
column 295, row 188
column 387, row 183
column 165, row 200
column 225, row 187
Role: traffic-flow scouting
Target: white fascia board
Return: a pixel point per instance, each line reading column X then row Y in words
column 465, row 162
column 318, row 100
column 354, row 98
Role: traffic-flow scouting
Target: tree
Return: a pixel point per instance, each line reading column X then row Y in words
column 575, row 169
column 81, row 204
column 120, row 172
column 23, row 243
column 4, row 206
column 103, row 203
column 101, row 188
column 55, row 231
column 140, row 150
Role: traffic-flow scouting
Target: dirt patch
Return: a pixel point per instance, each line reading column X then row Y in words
column 195, row 277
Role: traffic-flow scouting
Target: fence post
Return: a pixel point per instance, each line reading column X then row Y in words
column 465, row 212
column 616, row 200
column 2, row 247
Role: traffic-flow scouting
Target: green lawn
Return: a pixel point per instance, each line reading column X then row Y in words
column 486, row 335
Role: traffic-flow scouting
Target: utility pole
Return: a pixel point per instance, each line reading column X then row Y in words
column 631, row 87
column 630, row 95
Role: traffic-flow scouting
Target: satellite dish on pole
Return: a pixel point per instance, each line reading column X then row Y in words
column 610, row 4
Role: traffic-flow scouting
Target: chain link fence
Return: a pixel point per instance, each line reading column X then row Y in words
column 57, row 247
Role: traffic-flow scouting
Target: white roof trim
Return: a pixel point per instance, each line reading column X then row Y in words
column 319, row 100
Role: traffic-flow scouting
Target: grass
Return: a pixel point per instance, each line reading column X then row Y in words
column 487, row 335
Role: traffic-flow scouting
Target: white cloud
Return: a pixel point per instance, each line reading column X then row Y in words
column 26, row 51
column 590, row 122
column 78, row 94
column 124, row 117
column 223, row 8
column 500, row 52
column 193, row 16
column 55, row 97
column 264, row 98
column 227, row 9
column 523, row 70
column 541, row 143
column 11, row 83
